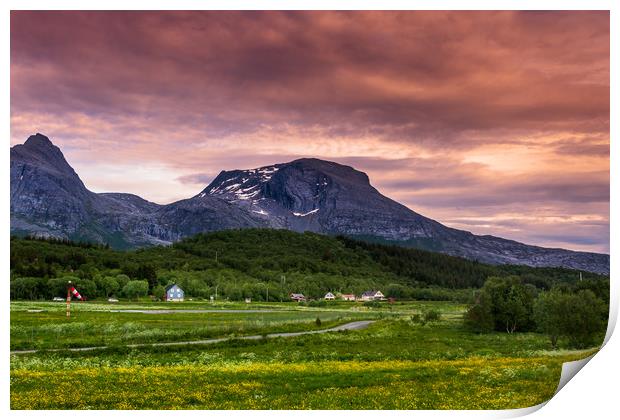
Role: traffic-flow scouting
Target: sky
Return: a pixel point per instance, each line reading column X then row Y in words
column 492, row 122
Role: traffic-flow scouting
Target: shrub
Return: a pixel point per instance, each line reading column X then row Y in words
column 136, row 288
column 431, row 315
column 159, row 292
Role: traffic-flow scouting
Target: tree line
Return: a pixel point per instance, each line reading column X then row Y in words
column 577, row 313
column 262, row 264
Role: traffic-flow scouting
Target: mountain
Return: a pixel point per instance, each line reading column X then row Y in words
column 49, row 199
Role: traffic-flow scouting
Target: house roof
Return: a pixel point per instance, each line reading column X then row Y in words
column 172, row 285
column 329, row 294
column 297, row 295
column 370, row 293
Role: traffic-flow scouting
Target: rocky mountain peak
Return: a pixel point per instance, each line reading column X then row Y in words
column 39, row 141
column 314, row 175
column 339, row 172
column 38, row 150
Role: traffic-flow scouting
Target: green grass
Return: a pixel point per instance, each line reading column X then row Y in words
column 393, row 364
column 86, row 327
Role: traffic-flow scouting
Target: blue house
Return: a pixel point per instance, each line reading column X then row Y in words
column 174, row 293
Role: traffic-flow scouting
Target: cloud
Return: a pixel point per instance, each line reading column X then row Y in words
column 444, row 110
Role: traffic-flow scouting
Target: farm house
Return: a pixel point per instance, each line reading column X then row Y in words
column 329, row 296
column 373, row 295
column 297, row 297
column 174, row 293
column 348, row 297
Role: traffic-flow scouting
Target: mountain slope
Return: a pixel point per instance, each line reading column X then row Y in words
column 326, row 197
column 49, row 199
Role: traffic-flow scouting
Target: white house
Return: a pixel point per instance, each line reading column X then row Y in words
column 348, row 297
column 373, row 295
column 174, row 293
column 329, row 296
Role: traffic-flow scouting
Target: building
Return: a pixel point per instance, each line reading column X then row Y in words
column 348, row 297
column 174, row 293
column 329, row 296
column 372, row 295
column 297, row 297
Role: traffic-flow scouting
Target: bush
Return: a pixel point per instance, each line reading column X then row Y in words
column 159, row 292
column 136, row 288
column 431, row 315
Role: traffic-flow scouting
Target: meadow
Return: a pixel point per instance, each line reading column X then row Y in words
column 88, row 326
column 392, row 364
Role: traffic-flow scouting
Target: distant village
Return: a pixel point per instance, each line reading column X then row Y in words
column 366, row 296
column 174, row 293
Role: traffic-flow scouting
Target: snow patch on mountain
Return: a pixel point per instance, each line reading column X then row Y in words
column 305, row 214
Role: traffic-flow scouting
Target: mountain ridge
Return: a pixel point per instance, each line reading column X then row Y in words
column 49, row 199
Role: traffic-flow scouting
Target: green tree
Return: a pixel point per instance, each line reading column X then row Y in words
column 122, row 280
column 136, row 288
column 586, row 320
column 108, row 286
column 581, row 317
column 57, row 287
column 159, row 292
column 86, row 288
column 148, row 273
column 511, row 303
column 479, row 317
column 26, row 288
column 515, row 309
column 397, row 291
column 550, row 313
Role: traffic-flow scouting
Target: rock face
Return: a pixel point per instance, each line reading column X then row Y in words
column 49, row 199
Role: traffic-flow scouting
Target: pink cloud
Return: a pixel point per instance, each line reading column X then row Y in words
column 425, row 102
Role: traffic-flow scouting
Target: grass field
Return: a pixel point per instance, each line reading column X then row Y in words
column 393, row 364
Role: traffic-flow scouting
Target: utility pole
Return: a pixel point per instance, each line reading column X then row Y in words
column 267, row 292
column 216, row 291
column 282, row 281
column 216, row 255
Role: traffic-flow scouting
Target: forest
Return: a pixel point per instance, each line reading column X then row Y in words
column 262, row 264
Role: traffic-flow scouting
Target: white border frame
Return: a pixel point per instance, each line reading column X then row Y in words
column 592, row 393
